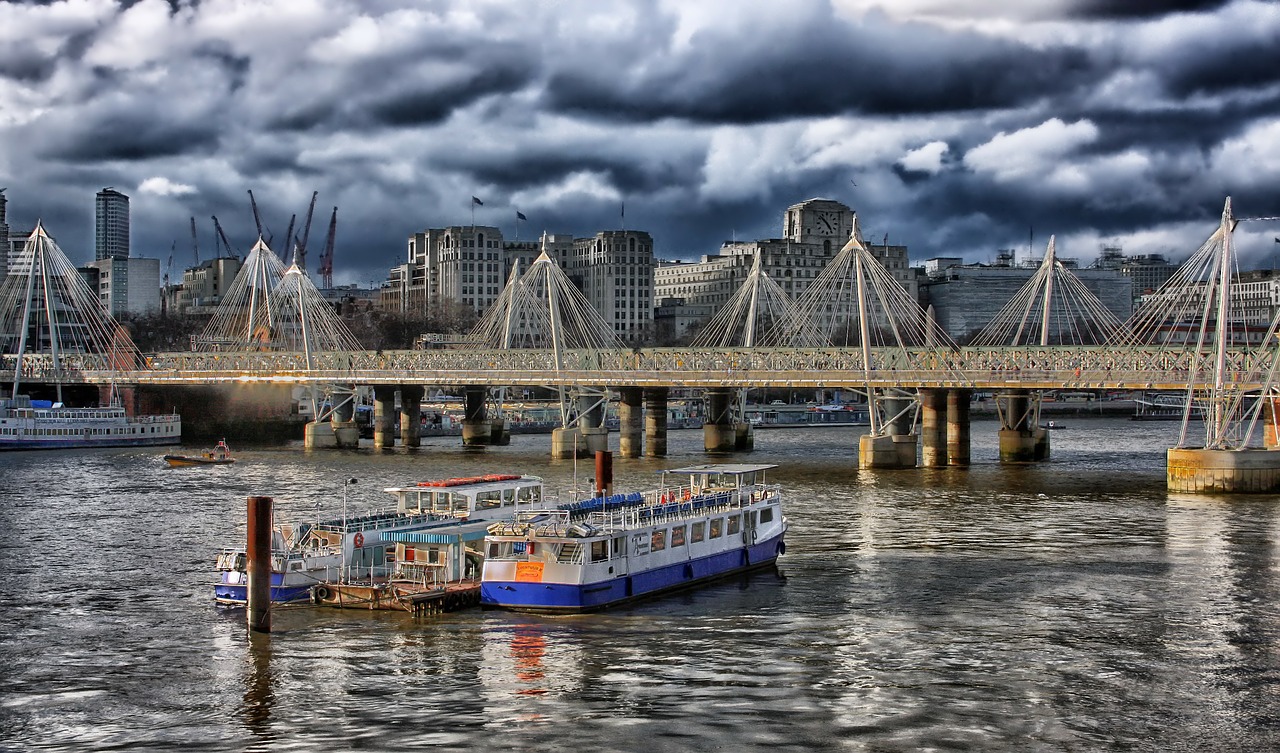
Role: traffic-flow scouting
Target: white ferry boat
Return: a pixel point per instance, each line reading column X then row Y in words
column 364, row 547
column 27, row 424
column 705, row 522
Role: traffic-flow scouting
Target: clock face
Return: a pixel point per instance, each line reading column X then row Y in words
column 827, row 223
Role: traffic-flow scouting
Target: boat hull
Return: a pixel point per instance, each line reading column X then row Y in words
column 236, row 594
column 183, row 461
column 586, row 597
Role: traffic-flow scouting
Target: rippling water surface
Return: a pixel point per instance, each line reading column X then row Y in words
column 1074, row 605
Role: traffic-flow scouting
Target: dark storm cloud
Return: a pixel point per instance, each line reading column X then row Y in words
column 1132, row 9
column 419, row 106
column 1103, row 119
column 826, row 67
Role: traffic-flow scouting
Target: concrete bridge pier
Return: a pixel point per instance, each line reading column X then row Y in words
column 896, row 448
column 384, row 416
column 411, row 414
column 595, row 433
column 655, row 422
column 1021, row 439
column 718, row 433
column 933, row 428
column 630, row 421
column 477, row 431
column 340, row 430
column 1206, row 471
column 958, row 402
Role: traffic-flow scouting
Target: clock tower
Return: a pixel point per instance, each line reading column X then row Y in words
column 818, row 222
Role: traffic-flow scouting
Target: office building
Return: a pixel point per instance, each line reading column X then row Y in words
column 111, row 228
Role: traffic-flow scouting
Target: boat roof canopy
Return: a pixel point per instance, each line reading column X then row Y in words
column 730, row 468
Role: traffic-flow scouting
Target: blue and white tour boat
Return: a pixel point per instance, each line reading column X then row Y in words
column 704, row 522
column 433, row 516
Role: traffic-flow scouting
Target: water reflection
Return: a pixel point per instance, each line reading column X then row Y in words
column 259, row 693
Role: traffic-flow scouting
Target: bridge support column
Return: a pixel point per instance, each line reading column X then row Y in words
column 933, row 428
column 718, row 434
column 1021, row 440
column 411, row 414
column 887, row 451
column 1270, row 427
column 1202, row 471
column 345, row 432
column 477, row 431
column 655, row 422
column 318, row 435
column 384, row 416
column 958, row 402
column 595, row 434
column 630, row 422
column 567, row 442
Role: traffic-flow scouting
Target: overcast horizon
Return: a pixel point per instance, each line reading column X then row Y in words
column 954, row 127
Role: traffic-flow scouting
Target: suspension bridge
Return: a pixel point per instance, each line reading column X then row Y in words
column 853, row 328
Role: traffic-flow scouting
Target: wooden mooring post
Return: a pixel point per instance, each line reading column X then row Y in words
column 258, row 551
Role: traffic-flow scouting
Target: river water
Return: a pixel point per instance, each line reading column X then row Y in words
column 1074, row 605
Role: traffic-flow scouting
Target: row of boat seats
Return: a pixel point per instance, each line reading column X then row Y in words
column 604, row 504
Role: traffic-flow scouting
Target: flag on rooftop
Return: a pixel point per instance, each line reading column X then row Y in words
column 520, row 216
column 476, row 201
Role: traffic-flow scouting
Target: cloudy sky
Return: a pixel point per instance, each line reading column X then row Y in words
column 956, row 127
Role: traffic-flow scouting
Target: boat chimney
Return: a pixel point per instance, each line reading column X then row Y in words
column 604, row 473
column 258, row 551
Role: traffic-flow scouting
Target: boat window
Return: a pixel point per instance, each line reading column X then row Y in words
column 461, row 503
column 505, row 550
column 440, row 502
column 489, row 500
column 677, row 536
column 766, row 515
column 716, row 527
column 747, row 479
column 658, row 541
column 600, row 550
column 508, row 496
column 734, row 523
column 697, row 531
column 620, row 546
column 531, row 493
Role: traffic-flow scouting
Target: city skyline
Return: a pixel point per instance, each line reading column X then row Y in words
column 955, row 129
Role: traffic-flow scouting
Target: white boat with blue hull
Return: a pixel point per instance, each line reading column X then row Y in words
column 27, row 424
column 704, row 522
column 363, row 548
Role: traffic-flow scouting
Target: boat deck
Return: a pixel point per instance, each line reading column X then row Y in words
column 400, row 596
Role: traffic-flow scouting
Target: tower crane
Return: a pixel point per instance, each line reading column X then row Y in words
column 326, row 256
column 217, row 227
column 301, row 255
column 195, row 245
column 288, row 239
column 257, row 219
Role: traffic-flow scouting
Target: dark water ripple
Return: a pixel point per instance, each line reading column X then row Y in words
column 1069, row 606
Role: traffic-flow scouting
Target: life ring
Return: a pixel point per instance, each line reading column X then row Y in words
column 359, row 539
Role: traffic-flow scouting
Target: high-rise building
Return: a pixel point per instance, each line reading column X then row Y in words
column 4, row 236
column 111, row 236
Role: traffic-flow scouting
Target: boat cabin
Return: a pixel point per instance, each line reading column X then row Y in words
column 495, row 495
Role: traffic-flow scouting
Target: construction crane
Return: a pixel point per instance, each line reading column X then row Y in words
column 221, row 236
column 195, row 244
column 257, row 220
column 288, row 239
column 326, row 256
column 301, row 257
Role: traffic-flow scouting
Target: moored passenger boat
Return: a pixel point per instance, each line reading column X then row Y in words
column 704, row 522
column 364, row 548
column 27, row 424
